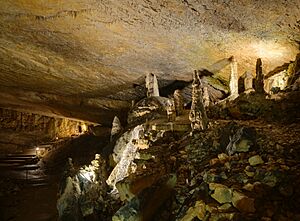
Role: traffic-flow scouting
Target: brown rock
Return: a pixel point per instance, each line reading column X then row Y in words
column 243, row 203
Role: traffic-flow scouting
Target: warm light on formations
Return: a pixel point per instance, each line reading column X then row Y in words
column 269, row 49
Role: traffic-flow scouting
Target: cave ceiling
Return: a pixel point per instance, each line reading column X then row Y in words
column 79, row 58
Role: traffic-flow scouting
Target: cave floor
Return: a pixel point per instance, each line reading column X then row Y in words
column 31, row 204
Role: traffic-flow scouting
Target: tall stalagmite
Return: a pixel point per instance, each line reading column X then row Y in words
column 178, row 100
column 197, row 115
column 206, row 100
column 233, row 84
column 259, row 80
column 152, row 85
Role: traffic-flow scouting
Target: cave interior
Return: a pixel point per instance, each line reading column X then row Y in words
column 173, row 110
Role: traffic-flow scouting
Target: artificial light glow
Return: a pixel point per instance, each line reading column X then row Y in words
column 83, row 128
column 37, row 149
column 269, row 50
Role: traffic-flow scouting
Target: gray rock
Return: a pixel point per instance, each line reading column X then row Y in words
column 242, row 140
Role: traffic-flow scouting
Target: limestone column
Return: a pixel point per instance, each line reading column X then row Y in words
column 248, row 82
column 259, row 80
column 152, row 85
column 178, row 100
column 234, row 78
column 155, row 86
column 197, row 115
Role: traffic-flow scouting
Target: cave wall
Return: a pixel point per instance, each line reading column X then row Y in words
column 19, row 130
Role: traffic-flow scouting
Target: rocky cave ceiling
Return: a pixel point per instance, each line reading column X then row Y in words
column 80, row 58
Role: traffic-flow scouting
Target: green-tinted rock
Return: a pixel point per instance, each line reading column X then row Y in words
column 255, row 160
column 222, row 194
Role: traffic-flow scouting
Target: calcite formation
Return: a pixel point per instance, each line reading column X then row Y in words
column 197, row 114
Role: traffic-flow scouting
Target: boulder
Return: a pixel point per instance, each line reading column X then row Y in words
column 242, row 140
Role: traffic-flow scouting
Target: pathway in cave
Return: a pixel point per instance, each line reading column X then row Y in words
column 34, row 192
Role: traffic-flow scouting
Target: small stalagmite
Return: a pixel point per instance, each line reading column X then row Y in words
column 178, row 100
column 116, row 128
column 152, row 85
column 234, row 78
column 206, row 100
column 259, row 80
column 197, row 115
column 248, row 82
column 171, row 110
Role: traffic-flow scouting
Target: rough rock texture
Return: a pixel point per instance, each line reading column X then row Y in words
column 89, row 51
column 19, row 130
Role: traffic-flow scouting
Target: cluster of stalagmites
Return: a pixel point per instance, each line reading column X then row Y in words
column 211, row 170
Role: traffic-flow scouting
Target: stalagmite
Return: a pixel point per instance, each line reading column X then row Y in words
column 178, row 100
column 171, row 111
column 116, row 128
column 233, row 84
column 259, row 80
column 152, row 85
column 248, row 82
column 206, row 100
column 197, row 115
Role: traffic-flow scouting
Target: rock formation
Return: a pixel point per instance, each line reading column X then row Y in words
column 178, row 101
column 259, row 80
column 248, row 82
column 197, row 114
column 171, row 110
column 206, row 100
column 116, row 128
column 233, row 81
column 152, row 85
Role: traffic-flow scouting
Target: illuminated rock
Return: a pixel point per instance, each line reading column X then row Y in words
column 233, row 81
column 147, row 109
column 197, row 114
column 116, row 128
column 68, row 203
column 124, row 156
column 152, row 85
column 206, row 100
